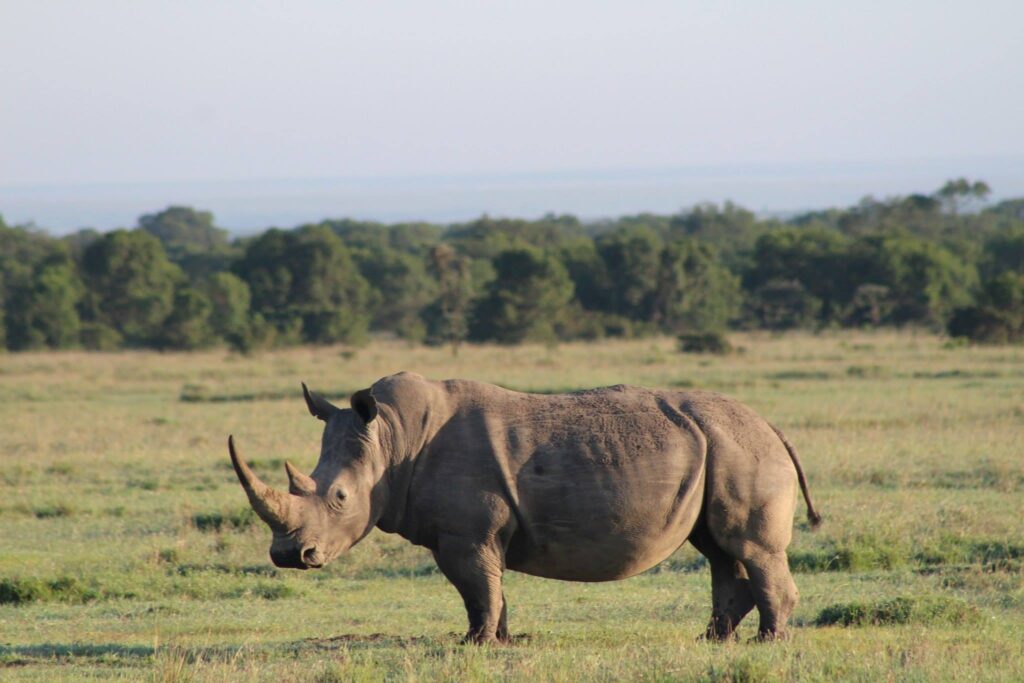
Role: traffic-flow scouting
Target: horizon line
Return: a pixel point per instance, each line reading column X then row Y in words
column 492, row 175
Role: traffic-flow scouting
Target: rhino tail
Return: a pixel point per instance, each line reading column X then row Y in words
column 812, row 515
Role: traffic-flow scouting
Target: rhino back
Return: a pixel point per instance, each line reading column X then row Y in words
column 590, row 486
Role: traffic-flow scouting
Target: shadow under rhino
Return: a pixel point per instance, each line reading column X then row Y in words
column 350, row 641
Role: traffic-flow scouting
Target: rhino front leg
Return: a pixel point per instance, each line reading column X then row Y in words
column 475, row 570
column 502, row 632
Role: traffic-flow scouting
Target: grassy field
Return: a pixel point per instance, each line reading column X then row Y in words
column 128, row 549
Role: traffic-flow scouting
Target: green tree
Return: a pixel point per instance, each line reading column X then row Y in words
column 305, row 283
column 191, row 240
column 871, row 305
column 188, row 325
column 812, row 257
column 695, row 293
column 79, row 240
column 22, row 247
column 659, row 225
column 998, row 315
column 958, row 193
column 588, row 272
column 131, row 285
column 409, row 238
column 182, row 229
column 1012, row 209
column 730, row 229
column 401, row 289
column 1004, row 251
column 781, row 304
column 916, row 213
column 229, row 316
column 524, row 301
column 414, row 238
column 487, row 237
column 44, row 313
column 447, row 318
column 35, row 271
column 632, row 259
column 926, row 282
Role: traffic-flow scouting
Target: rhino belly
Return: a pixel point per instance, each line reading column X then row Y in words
column 603, row 521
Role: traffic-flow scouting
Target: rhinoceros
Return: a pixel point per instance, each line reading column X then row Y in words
column 596, row 485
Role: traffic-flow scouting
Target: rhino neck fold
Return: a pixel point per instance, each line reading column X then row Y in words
column 395, row 479
column 402, row 446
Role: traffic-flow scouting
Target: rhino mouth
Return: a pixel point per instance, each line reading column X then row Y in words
column 288, row 560
column 308, row 558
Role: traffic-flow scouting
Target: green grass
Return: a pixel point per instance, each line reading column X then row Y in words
column 936, row 609
column 62, row 589
column 129, row 551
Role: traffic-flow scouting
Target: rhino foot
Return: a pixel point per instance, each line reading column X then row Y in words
column 478, row 639
column 712, row 636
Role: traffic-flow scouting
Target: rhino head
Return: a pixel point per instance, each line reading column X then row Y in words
column 324, row 514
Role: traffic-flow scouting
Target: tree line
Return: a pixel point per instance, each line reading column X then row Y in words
column 944, row 260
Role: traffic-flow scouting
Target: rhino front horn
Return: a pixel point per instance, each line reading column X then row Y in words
column 270, row 505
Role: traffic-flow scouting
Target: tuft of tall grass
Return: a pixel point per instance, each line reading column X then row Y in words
column 51, row 511
column 20, row 591
column 861, row 553
column 242, row 518
column 931, row 609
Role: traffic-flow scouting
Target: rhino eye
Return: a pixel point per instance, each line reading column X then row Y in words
column 339, row 495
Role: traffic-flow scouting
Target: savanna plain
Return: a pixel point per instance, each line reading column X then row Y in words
column 127, row 548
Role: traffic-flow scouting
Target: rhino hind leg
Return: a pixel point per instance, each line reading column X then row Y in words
column 768, row 579
column 774, row 592
column 475, row 570
column 731, row 597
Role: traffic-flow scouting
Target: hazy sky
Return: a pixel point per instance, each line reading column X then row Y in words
column 120, row 91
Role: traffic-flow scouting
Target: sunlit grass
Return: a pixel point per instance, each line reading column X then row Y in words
column 128, row 550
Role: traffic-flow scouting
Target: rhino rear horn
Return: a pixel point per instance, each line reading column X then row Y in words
column 270, row 505
column 319, row 407
column 299, row 484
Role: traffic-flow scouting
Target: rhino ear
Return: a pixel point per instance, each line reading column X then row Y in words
column 365, row 405
column 319, row 407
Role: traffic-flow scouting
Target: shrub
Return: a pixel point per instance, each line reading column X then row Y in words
column 783, row 304
column 984, row 325
column 746, row 669
column 50, row 511
column 705, row 342
column 864, row 553
column 19, row 591
column 901, row 610
column 100, row 337
column 218, row 521
column 272, row 591
column 998, row 317
column 168, row 555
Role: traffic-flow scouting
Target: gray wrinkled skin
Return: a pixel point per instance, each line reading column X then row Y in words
column 597, row 485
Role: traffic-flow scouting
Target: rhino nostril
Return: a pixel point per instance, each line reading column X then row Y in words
column 310, row 556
